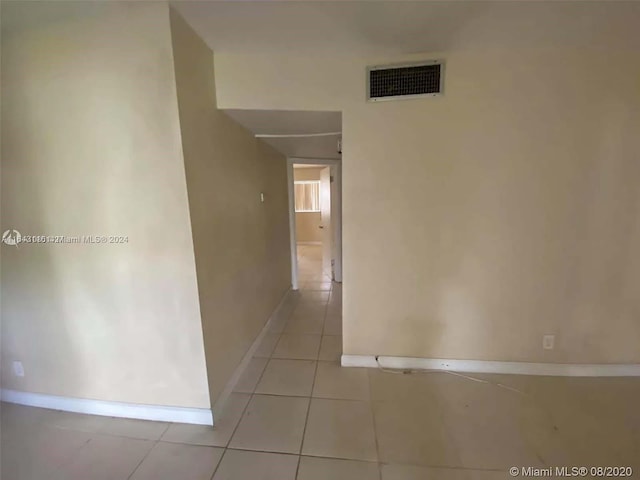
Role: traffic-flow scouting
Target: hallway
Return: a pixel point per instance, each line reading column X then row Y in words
column 297, row 415
column 310, row 272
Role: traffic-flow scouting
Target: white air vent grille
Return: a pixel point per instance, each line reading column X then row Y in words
column 405, row 81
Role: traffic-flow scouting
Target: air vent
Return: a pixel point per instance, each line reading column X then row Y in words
column 414, row 80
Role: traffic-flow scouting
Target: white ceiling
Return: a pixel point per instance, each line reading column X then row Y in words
column 374, row 27
column 288, row 122
column 313, row 147
column 391, row 27
column 306, row 165
column 283, row 122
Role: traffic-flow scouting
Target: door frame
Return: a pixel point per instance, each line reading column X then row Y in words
column 336, row 211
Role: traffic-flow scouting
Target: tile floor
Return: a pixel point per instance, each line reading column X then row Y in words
column 297, row 415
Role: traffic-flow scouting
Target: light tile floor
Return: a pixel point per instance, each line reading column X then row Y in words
column 297, row 415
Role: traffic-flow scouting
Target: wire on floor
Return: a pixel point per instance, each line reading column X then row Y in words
column 409, row 371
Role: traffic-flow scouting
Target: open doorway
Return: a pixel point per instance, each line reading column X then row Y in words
column 315, row 220
column 309, row 139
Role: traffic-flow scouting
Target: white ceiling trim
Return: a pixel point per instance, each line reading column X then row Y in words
column 297, row 135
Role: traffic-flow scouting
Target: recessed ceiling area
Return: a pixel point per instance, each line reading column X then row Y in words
column 312, row 147
column 290, row 122
column 302, row 134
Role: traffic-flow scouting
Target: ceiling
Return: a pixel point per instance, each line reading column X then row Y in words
column 303, row 125
column 314, row 147
column 19, row 14
column 375, row 27
column 307, row 165
column 393, row 27
column 286, row 122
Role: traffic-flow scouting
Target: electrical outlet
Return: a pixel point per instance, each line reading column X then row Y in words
column 548, row 342
column 18, row 369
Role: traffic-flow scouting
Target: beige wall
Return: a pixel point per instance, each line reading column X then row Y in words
column 241, row 245
column 307, row 223
column 91, row 145
column 306, row 173
column 506, row 209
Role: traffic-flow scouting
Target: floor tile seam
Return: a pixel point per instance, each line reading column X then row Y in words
column 69, row 460
column 144, row 457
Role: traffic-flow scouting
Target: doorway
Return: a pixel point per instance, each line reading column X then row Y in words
column 315, row 219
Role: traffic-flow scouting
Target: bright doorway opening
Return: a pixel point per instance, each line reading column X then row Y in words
column 315, row 215
column 311, row 141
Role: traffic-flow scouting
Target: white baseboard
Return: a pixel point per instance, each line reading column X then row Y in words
column 309, row 243
column 199, row 416
column 483, row 366
column 221, row 401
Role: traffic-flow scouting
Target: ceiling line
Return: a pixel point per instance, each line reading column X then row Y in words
column 297, row 135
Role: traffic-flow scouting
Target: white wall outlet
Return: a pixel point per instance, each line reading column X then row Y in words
column 18, row 369
column 261, row 197
column 548, row 342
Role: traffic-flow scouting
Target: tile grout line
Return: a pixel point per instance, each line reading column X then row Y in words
column 244, row 410
column 295, row 477
column 144, row 457
column 215, row 470
column 149, row 452
column 71, row 458
column 375, row 430
column 351, row 459
column 252, row 394
column 165, row 430
column 290, row 395
column 315, row 374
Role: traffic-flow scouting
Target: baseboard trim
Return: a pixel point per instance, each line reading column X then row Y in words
column 483, row 366
column 309, row 243
column 221, row 401
column 198, row 416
